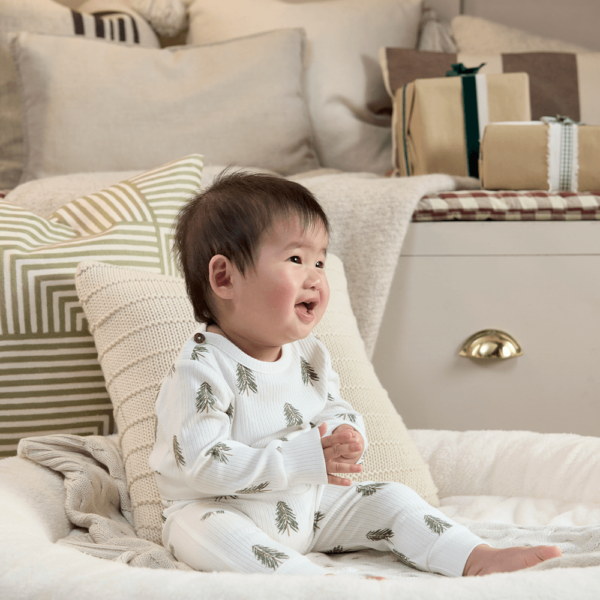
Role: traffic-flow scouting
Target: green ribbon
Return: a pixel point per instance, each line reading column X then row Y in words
column 459, row 69
column 471, row 118
column 469, row 90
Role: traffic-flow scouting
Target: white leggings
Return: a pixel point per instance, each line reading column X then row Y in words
column 215, row 536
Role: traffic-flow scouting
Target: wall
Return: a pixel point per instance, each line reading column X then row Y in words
column 574, row 21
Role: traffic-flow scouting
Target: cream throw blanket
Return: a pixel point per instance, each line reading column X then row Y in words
column 369, row 217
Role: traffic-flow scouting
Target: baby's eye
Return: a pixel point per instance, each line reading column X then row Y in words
column 319, row 263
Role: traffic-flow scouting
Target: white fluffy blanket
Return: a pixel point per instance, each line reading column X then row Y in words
column 511, row 488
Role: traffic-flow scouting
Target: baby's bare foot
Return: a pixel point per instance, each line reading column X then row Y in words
column 485, row 560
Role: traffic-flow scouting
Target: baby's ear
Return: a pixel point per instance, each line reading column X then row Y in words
column 219, row 274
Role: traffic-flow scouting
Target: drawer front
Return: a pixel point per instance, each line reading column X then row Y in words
column 549, row 304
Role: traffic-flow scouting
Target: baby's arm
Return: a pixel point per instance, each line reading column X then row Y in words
column 195, row 412
column 339, row 415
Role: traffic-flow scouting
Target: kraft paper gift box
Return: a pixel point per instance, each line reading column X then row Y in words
column 438, row 122
column 554, row 154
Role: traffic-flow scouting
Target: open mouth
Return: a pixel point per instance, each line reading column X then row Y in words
column 305, row 308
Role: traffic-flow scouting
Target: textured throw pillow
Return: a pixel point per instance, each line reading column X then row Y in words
column 140, row 321
column 559, row 83
column 124, row 108
column 345, row 89
column 475, row 35
column 112, row 22
column 51, row 381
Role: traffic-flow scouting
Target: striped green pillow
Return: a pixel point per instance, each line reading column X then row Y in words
column 50, row 377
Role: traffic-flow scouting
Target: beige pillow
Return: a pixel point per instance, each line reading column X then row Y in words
column 120, row 25
column 474, row 35
column 140, row 321
column 121, row 108
column 345, row 89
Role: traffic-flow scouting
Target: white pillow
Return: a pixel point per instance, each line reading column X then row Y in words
column 474, row 35
column 124, row 26
column 140, row 320
column 124, row 108
column 345, row 87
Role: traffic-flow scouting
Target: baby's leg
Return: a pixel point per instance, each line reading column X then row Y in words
column 213, row 537
column 392, row 517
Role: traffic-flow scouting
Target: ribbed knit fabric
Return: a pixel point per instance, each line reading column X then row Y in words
column 229, row 424
column 272, row 532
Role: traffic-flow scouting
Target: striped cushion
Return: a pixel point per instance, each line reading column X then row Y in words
column 560, row 82
column 50, row 377
column 508, row 206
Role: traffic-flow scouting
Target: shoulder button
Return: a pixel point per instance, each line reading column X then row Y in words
column 199, row 338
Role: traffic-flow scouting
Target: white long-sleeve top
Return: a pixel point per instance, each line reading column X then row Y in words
column 229, row 424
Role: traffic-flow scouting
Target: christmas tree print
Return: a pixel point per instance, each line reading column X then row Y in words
column 319, row 516
column 212, row 512
column 404, row 559
column 312, row 425
column 204, row 398
column 245, row 380
column 351, row 417
column 164, row 519
column 219, row 498
column 330, row 397
column 284, row 439
column 279, row 450
column 196, row 352
column 217, row 452
column 308, row 373
column 172, row 370
column 380, row 534
column 292, row 415
column 335, row 550
column 286, row 518
column 436, row 524
column 256, row 489
column 369, row 489
column 269, row 557
column 229, row 412
column 178, row 453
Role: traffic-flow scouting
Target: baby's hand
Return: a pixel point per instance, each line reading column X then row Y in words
column 336, row 448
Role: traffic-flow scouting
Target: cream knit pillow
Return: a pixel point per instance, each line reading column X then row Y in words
column 140, row 320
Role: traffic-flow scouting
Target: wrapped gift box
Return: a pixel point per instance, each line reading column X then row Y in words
column 438, row 122
column 554, row 154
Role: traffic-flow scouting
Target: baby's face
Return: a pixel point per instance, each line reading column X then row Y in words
column 290, row 270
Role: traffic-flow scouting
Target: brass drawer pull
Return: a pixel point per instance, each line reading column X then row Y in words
column 491, row 344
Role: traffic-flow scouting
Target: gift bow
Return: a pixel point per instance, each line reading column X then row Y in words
column 460, row 69
column 560, row 119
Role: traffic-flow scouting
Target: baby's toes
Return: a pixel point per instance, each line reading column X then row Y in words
column 547, row 552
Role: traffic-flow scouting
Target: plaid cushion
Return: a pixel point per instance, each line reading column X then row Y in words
column 483, row 205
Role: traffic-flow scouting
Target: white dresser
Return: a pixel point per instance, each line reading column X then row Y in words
column 538, row 282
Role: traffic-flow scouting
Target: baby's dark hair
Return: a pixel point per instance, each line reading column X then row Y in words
column 230, row 217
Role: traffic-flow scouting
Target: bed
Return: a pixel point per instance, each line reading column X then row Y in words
column 93, row 308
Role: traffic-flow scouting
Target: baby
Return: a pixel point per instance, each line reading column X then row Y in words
column 251, row 426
